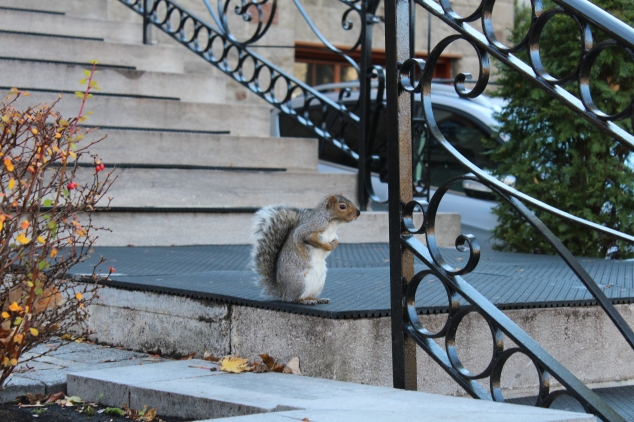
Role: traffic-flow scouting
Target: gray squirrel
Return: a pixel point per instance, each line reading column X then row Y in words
column 291, row 245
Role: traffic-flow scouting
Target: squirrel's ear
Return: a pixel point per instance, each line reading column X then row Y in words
column 332, row 200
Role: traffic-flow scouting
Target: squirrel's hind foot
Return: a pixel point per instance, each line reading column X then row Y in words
column 313, row 301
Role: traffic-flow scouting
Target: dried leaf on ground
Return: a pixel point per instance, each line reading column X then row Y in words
column 279, row 367
column 259, row 367
column 234, row 364
column 149, row 415
column 209, row 357
column 55, row 397
column 292, row 367
column 268, row 361
column 190, row 356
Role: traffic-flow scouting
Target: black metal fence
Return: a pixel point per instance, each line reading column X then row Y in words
column 407, row 77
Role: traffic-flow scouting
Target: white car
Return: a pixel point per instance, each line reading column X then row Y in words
column 463, row 121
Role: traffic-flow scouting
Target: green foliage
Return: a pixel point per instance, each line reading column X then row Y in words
column 39, row 412
column 89, row 411
column 114, row 411
column 560, row 158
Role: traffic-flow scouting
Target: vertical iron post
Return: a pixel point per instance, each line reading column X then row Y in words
column 365, row 99
column 427, row 159
column 148, row 5
column 397, row 37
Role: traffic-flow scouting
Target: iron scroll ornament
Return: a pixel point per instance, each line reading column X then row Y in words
column 457, row 289
column 588, row 18
column 235, row 57
column 413, row 67
column 485, row 44
column 452, row 279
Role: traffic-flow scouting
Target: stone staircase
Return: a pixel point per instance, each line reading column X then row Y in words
column 192, row 163
column 191, row 168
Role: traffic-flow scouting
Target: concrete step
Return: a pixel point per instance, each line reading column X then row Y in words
column 179, row 188
column 353, row 348
column 144, row 113
column 191, row 87
column 184, row 389
column 22, row 20
column 95, row 9
column 158, row 58
column 233, row 228
column 187, row 149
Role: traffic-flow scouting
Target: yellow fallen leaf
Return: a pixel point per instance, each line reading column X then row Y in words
column 149, row 415
column 18, row 338
column 40, row 239
column 11, row 183
column 14, row 362
column 34, row 131
column 234, row 364
column 6, row 315
column 78, row 296
column 53, row 253
column 34, row 332
column 24, row 225
column 72, row 154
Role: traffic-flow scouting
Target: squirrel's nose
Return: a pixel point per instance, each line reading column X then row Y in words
column 358, row 213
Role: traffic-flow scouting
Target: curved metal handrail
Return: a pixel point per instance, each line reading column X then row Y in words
column 265, row 78
column 585, row 14
column 456, row 287
column 485, row 44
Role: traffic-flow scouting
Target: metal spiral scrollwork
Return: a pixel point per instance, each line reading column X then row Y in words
column 463, row 299
column 245, row 9
column 216, row 43
column 586, row 16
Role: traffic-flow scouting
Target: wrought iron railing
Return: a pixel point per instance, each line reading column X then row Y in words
column 407, row 77
column 214, row 41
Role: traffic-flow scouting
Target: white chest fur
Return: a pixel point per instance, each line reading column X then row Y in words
column 316, row 276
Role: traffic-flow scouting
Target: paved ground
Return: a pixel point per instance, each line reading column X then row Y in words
column 195, row 389
column 47, row 374
column 119, row 370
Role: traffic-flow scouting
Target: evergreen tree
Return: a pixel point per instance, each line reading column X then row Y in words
column 560, row 158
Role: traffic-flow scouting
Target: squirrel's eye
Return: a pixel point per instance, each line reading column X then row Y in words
column 342, row 206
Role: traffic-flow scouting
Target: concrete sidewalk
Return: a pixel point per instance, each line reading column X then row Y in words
column 47, row 374
column 190, row 389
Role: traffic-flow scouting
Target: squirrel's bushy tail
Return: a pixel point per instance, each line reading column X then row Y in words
column 271, row 226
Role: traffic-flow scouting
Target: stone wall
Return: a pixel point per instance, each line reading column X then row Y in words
column 583, row 339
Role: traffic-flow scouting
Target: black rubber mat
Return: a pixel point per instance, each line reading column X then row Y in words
column 358, row 278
